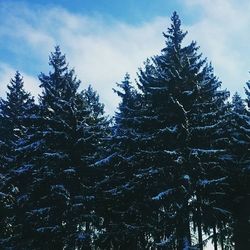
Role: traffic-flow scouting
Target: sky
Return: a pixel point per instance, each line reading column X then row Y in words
column 104, row 39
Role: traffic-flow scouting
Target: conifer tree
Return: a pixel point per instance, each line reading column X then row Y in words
column 175, row 161
column 239, row 172
column 56, row 209
column 123, row 229
column 207, row 154
column 17, row 105
column 14, row 111
column 159, row 168
column 170, row 85
column 98, row 125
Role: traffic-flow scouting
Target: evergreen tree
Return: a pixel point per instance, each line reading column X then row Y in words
column 208, row 156
column 170, row 87
column 156, row 169
column 175, row 161
column 117, row 192
column 17, row 105
column 239, row 172
column 98, row 125
column 13, row 113
column 56, row 209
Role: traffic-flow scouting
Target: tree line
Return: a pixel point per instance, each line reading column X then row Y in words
column 170, row 170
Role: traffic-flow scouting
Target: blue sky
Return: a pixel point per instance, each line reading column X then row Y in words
column 129, row 11
column 104, row 39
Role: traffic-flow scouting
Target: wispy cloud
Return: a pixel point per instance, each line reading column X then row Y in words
column 102, row 51
column 223, row 34
column 7, row 72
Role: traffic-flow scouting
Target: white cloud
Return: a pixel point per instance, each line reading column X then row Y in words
column 104, row 58
column 102, row 51
column 7, row 72
column 31, row 84
column 222, row 33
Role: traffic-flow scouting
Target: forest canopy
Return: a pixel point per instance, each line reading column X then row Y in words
column 170, row 170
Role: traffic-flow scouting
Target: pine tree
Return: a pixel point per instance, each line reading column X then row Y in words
column 14, row 111
column 238, row 172
column 98, row 125
column 207, row 154
column 175, row 161
column 157, row 178
column 56, row 209
column 170, row 87
column 122, row 229
column 17, row 105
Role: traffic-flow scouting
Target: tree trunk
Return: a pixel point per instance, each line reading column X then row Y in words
column 215, row 238
column 241, row 234
column 199, row 223
column 184, row 236
column 142, row 241
column 242, row 226
column 221, row 242
column 200, row 236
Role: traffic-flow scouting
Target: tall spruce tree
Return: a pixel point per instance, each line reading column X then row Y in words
column 207, row 155
column 177, row 159
column 56, row 209
column 159, row 181
column 14, row 111
column 122, row 228
column 170, row 86
column 98, row 125
column 239, row 173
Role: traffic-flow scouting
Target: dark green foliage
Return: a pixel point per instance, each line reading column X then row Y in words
column 120, row 228
column 171, row 85
column 14, row 111
column 239, row 174
column 150, row 158
column 170, row 173
column 56, row 209
column 207, row 154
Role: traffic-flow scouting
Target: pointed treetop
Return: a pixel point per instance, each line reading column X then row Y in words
column 126, row 86
column 18, row 100
column 16, row 83
column 16, row 90
column 238, row 104
column 58, row 60
column 129, row 102
column 61, row 82
column 174, row 35
column 17, row 80
column 93, row 101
